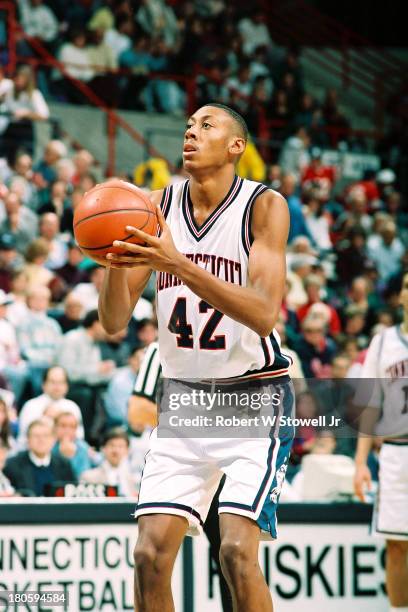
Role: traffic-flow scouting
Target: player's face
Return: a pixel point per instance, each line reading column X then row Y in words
column 210, row 140
column 404, row 293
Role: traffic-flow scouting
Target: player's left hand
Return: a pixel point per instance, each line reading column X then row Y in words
column 159, row 253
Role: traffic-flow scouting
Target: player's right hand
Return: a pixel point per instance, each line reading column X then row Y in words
column 362, row 481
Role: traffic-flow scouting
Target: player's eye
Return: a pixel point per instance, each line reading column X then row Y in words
column 188, row 126
column 206, row 125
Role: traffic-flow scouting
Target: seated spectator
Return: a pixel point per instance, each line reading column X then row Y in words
column 58, row 199
column 163, row 95
column 10, row 260
column 22, row 181
column 32, row 470
column 88, row 293
column 317, row 222
column 116, row 348
column 36, row 273
column 240, row 85
column 20, row 221
column 278, row 112
column 315, row 291
column 300, row 268
column 251, row 164
column 158, row 20
column 119, row 38
column 39, row 337
column 17, row 310
column 46, row 168
column 294, row 156
column 318, row 173
column 51, row 402
column 88, row 373
column 146, row 331
column 11, row 364
column 74, row 55
column 254, row 32
column 26, row 104
column 386, row 251
column 115, row 468
column 355, row 323
column 315, row 349
column 70, row 273
column 71, row 317
column 6, row 488
column 8, row 425
column 120, row 389
column 84, row 165
column 298, row 225
column 351, row 255
column 137, row 59
column 49, row 229
column 38, row 20
column 69, row 444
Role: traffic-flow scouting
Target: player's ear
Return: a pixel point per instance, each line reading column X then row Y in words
column 237, row 146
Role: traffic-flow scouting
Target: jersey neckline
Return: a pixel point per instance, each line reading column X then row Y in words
column 197, row 231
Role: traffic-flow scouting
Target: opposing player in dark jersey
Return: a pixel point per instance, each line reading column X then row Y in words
column 220, row 258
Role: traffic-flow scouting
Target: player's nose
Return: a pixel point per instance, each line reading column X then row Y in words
column 190, row 132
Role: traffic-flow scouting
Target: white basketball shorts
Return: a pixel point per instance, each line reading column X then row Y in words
column 182, row 474
column 390, row 518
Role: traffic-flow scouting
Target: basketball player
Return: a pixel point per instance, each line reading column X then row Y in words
column 386, row 364
column 142, row 409
column 220, row 259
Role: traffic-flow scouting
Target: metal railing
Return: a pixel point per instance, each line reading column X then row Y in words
column 292, row 29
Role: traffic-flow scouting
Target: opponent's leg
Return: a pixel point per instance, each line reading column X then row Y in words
column 160, row 537
column 397, row 573
column 239, row 561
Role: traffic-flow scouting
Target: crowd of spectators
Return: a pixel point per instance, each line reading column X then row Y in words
column 65, row 384
column 228, row 45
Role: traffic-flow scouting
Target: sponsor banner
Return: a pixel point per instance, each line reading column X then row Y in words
column 311, row 567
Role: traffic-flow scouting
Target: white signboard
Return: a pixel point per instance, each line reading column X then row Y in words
column 312, row 568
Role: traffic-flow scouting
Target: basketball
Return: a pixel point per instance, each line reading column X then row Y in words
column 103, row 214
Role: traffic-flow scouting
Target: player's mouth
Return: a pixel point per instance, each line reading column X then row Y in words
column 189, row 148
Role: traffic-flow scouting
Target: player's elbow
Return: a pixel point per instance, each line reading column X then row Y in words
column 265, row 326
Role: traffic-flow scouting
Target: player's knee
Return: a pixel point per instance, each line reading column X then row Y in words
column 397, row 552
column 234, row 556
column 150, row 560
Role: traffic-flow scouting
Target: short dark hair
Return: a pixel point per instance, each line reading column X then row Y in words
column 90, row 318
column 113, row 433
column 238, row 119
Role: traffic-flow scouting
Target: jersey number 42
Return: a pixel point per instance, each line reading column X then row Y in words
column 179, row 325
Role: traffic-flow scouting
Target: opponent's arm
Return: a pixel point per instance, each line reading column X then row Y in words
column 256, row 305
column 122, row 287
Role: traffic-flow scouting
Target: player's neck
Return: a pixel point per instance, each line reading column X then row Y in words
column 207, row 191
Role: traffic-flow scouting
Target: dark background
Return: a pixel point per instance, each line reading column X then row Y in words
column 382, row 22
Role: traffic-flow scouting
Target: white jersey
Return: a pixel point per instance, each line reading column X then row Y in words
column 386, row 365
column 197, row 341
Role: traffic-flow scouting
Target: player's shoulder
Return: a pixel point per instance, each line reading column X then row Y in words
column 386, row 334
column 262, row 194
column 152, row 349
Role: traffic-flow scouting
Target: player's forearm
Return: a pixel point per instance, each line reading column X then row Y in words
column 243, row 304
column 115, row 306
column 368, row 420
column 364, row 446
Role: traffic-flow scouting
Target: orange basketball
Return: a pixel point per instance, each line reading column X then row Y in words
column 103, row 214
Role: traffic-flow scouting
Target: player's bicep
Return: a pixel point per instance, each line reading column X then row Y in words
column 267, row 262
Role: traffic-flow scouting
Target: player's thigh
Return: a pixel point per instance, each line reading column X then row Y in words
column 160, row 534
